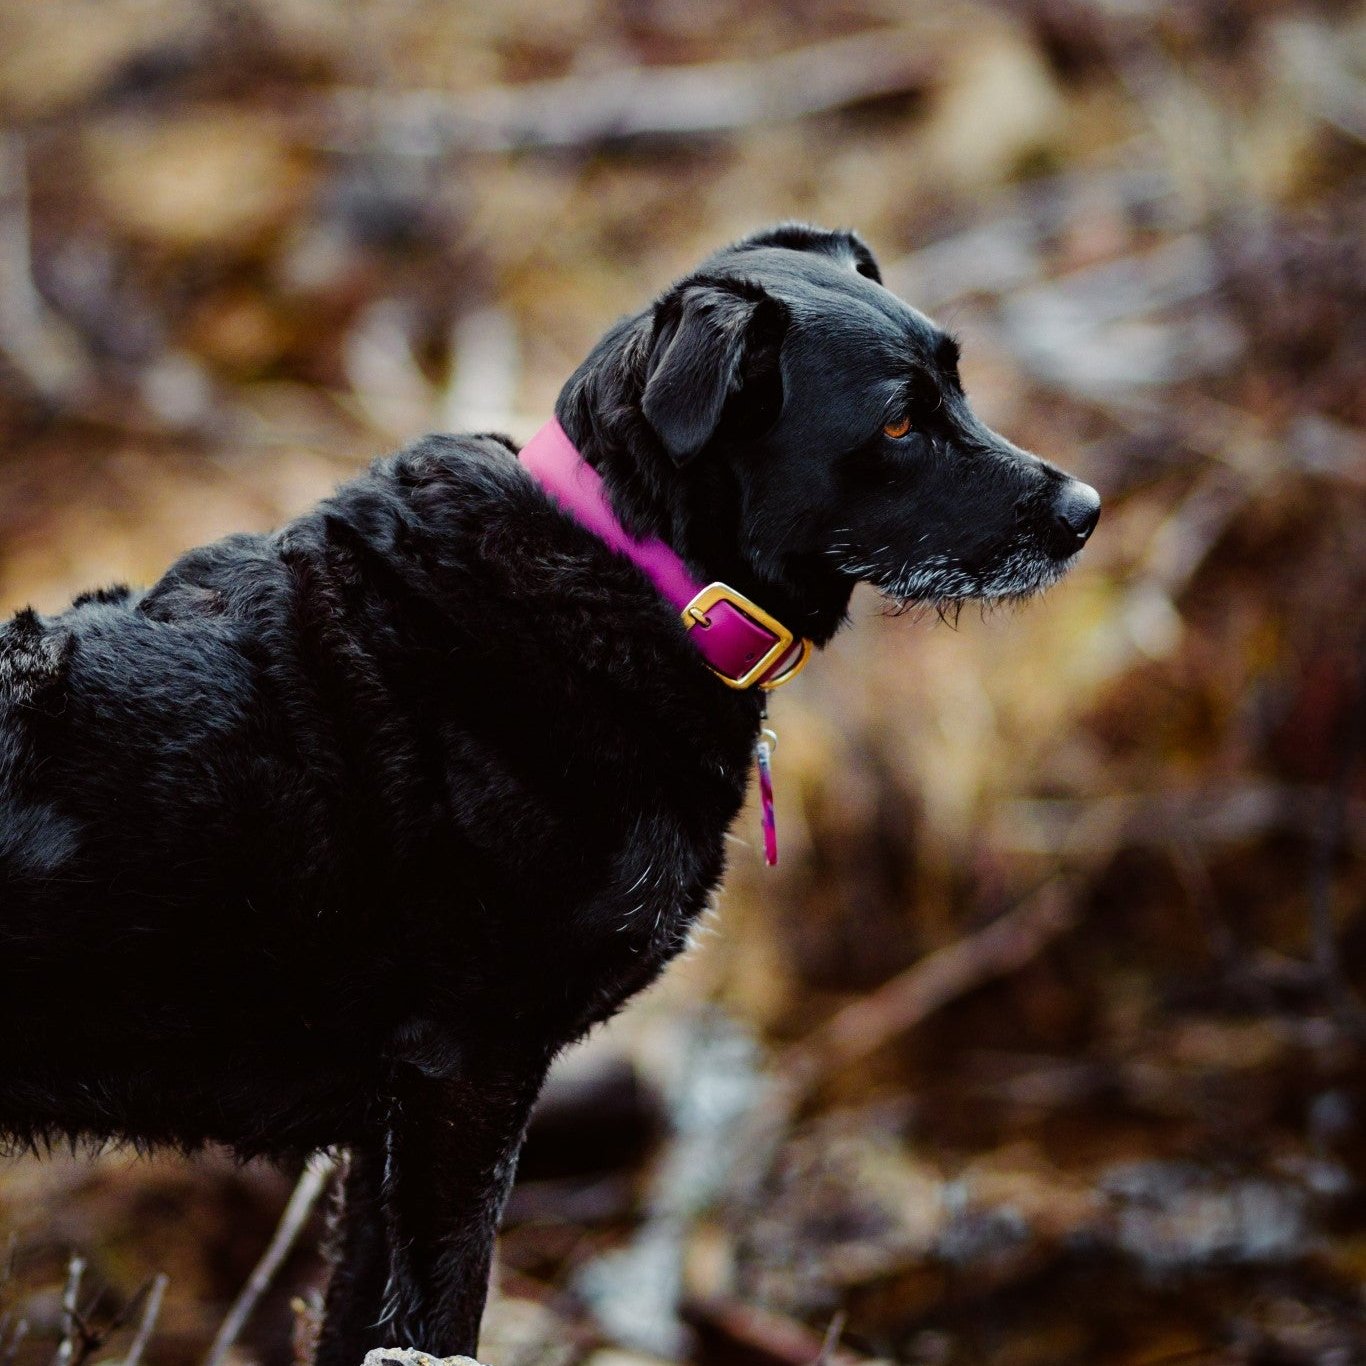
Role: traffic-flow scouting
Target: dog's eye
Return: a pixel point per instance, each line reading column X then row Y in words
column 896, row 430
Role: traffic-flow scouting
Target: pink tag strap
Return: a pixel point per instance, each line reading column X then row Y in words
column 763, row 758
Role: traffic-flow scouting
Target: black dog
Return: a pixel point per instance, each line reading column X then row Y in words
column 336, row 836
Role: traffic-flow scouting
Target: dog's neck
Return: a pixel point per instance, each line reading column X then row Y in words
column 743, row 645
column 695, row 510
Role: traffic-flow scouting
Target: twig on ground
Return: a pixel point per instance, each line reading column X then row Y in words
column 833, row 1334
column 81, row 1339
column 156, row 1290
column 768, row 1336
column 909, row 998
column 11, row 1341
column 316, row 1175
column 634, row 1291
column 890, row 1012
column 75, row 1334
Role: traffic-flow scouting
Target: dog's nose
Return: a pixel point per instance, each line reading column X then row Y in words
column 1076, row 510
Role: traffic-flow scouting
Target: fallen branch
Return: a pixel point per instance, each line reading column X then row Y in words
column 11, row 1339
column 150, row 1312
column 767, row 1336
column 909, row 998
column 834, row 1331
column 74, row 1346
column 634, row 1292
column 640, row 102
column 81, row 1337
column 1101, row 333
column 316, row 1175
column 890, row 1012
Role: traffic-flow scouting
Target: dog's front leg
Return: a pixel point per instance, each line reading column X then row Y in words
column 353, row 1312
column 453, row 1155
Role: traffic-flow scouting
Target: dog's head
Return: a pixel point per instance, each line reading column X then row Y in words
column 790, row 426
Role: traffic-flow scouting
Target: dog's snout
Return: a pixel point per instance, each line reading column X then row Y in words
column 1076, row 510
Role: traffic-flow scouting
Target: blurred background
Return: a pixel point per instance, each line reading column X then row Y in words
column 1045, row 1042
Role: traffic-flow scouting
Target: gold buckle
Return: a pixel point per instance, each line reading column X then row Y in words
column 695, row 614
column 792, row 670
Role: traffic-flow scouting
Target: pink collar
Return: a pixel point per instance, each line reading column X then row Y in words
column 743, row 645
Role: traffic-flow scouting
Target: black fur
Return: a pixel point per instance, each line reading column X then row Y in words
column 335, row 836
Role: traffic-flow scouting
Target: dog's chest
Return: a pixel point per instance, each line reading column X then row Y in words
column 592, row 855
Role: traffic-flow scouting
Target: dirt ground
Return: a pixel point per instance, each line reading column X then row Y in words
column 1044, row 1044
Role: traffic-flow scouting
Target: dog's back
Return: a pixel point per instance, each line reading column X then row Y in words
column 157, row 825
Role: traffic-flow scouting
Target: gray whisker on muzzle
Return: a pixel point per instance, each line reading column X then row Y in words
column 939, row 580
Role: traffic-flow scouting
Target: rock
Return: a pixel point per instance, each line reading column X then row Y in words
column 410, row 1356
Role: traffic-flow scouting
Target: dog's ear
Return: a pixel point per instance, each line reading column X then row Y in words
column 842, row 245
column 708, row 341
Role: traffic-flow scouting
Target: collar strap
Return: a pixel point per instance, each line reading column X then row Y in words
column 742, row 644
